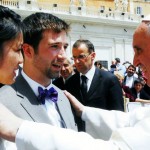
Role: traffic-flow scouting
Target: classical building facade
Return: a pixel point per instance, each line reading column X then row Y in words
column 108, row 24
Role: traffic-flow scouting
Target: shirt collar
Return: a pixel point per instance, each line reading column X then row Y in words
column 33, row 84
column 90, row 73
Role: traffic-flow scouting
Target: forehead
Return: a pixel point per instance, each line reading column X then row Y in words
column 142, row 32
column 82, row 48
column 51, row 35
column 66, row 61
column 131, row 67
column 138, row 84
column 141, row 37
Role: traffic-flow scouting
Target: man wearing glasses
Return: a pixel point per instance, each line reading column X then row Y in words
column 101, row 88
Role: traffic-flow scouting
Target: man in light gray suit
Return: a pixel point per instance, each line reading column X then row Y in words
column 45, row 43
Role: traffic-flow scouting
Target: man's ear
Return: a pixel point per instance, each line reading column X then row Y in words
column 28, row 50
column 93, row 55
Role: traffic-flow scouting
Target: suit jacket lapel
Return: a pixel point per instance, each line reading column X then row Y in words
column 64, row 109
column 30, row 102
column 95, row 82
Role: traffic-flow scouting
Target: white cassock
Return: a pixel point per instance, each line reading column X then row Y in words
column 127, row 131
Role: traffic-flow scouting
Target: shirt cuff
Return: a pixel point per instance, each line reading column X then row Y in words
column 86, row 110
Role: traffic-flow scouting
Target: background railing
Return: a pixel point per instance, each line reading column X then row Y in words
column 72, row 10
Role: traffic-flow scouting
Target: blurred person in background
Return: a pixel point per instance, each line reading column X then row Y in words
column 66, row 72
column 119, row 67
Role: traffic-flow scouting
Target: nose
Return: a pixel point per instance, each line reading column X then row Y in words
column 76, row 60
column 62, row 54
column 62, row 68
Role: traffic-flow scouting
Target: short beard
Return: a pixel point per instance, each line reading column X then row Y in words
column 51, row 74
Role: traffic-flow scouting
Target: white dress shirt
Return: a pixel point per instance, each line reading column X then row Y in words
column 49, row 105
column 89, row 75
column 129, row 81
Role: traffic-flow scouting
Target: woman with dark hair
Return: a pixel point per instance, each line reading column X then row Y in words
column 11, row 40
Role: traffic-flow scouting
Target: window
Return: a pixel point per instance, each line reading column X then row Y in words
column 28, row 2
column 54, row 5
column 139, row 10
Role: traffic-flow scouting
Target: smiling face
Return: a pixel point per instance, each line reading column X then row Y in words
column 130, row 71
column 46, row 63
column 11, row 59
column 66, row 69
column 141, row 45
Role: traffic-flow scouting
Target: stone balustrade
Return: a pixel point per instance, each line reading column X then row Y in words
column 92, row 12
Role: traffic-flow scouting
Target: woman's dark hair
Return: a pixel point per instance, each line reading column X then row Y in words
column 10, row 26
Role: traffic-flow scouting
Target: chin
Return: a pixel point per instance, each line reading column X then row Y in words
column 10, row 81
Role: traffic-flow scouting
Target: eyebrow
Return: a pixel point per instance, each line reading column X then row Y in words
column 57, row 43
column 136, row 47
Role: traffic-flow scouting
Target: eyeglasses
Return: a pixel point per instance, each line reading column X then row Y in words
column 80, row 57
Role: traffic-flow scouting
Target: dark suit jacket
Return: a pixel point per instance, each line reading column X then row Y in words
column 59, row 82
column 143, row 94
column 105, row 91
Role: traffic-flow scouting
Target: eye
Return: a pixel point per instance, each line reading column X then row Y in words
column 54, row 46
column 66, row 46
column 81, row 56
column 137, row 50
column 66, row 65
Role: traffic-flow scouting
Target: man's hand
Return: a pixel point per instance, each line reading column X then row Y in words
column 75, row 103
column 9, row 124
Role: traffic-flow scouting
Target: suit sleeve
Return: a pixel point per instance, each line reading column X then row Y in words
column 115, row 99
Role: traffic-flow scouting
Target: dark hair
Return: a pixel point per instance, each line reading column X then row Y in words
column 10, row 26
column 117, row 60
column 132, row 67
column 88, row 44
column 35, row 24
column 139, row 80
column 98, row 62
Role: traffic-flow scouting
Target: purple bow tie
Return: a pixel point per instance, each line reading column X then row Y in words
column 51, row 94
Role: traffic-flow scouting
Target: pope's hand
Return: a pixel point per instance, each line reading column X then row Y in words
column 75, row 103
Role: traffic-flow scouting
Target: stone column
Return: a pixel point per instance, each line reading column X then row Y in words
column 124, row 5
column 116, row 5
column 22, row 4
column 73, row 7
column 83, row 6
